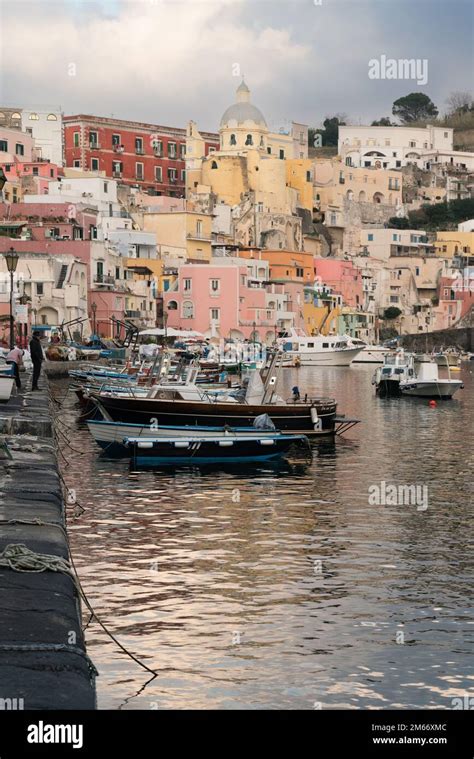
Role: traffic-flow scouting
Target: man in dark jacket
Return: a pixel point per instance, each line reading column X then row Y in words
column 36, row 353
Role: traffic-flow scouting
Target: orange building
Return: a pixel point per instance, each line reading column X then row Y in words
column 285, row 265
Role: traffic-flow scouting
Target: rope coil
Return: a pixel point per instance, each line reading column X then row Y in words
column 20, row 558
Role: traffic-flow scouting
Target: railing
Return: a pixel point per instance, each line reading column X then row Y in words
column 197, row 236
column 103, row 279
column 94, row 145
column 139, row 151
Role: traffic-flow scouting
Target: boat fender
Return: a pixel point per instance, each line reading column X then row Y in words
column 315, row 418
column 432, row 404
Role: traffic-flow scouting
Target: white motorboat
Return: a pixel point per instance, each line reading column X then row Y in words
column 397, row 366
column 426, row 382
column 370, row 354
column 317, row 350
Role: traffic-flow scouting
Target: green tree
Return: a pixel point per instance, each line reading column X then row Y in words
column 414, row 107
column 384, row 121
column 392, row 312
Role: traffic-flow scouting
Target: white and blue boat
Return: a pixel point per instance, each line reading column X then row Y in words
column 221, row 448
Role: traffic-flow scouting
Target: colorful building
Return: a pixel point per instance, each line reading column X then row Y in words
column 147, row 156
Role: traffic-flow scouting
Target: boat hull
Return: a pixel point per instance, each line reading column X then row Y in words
column 441, row 390
column 295, row 418
column 204, row 451
column 371, row 356
column 321, row 358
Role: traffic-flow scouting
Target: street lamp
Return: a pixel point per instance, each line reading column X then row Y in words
column 94, row 325
column 12, row 262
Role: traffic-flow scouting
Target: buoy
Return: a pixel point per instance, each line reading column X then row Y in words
column 432, row 404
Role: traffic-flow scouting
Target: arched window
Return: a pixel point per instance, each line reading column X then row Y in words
column 2, row 117
column 172, row 305
column 350, row 195
column 249, row 140
column 188, row 309
column 233, row 139
column 33, row 117
column 214, row 165
column 361, row 196
column 51, row 117
column 378, row 197
column 16, row 116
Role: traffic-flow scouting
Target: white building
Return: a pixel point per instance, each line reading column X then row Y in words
column 459, row 159
column 383, row 243
column 45, row 124
column 391, row 147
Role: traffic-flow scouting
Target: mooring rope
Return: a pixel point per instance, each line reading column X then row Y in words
column 20, row 558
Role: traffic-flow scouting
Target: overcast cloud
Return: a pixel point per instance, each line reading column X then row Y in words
column 167, row 61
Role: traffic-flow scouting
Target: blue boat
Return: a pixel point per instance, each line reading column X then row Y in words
column 237, row 448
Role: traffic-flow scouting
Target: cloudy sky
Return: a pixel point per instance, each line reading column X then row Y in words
column 167, row 61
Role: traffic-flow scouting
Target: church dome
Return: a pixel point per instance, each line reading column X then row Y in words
column 243, row 110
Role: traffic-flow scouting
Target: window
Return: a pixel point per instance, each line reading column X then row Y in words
column 249, row 140
column 172, row 175
column 39, row 288
column 233, row 140
column 106, row 187
column 417, row 271
column 76, row 163
column 35, row 171
column 394, row 238
column 95, row 164
column 183, row 175
column 171, row 150
column 115, row 139
column 93, row 140
column 412, row 144
column 394, row 299
column 76, row 139
column 188, row 309
column 187, row 285
column 182, row 150
column 139, row 145
column 215, row 314
column 117, row 168
column 92, row 232
column 398, row 164
column 446, row 134
column 370, row 237
column 215, row 285
column 269, row 150
column 282, row 153
column 3, row 146
column 139, row 170
column 308, row 176
column 172, row 305
column 158, row 174
column 51, row 117
column 394, row 155
column 51, row 173
column 214, row 165
column 19, row 148
column 387, row 143
column 33, row 117
column 157, row 147
column 117, row 272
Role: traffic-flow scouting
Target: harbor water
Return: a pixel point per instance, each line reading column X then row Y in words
column 298, row 586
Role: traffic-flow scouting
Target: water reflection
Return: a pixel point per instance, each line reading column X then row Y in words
column 281, row 586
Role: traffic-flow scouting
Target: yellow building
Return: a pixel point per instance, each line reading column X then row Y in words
column 251, row 159
column 449, row 244
column 335, row 182
column 179, row 234
column 321, row 310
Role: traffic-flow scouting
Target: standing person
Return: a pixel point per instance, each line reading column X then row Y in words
column 15, row 359
column 36, row 352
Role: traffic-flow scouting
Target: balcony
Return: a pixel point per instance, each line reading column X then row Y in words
column 198, row 236
column 118, row 148
column 117, row 174
column 94, row 145
column 139, row 151
column 103, row 279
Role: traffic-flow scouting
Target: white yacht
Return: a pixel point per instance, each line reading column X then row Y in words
column 317, row 350
column 370, row 354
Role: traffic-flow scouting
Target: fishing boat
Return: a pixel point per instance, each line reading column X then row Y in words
column 387, row 378
column 110, row 436
column 425, row 381
column 319, row 350
column 239, row 448
column 184, row 403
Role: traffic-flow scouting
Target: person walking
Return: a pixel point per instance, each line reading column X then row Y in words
column 36, row 353
column 15, row 358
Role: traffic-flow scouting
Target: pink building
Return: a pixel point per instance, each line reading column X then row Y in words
column 342, row 277
column 220, row 301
